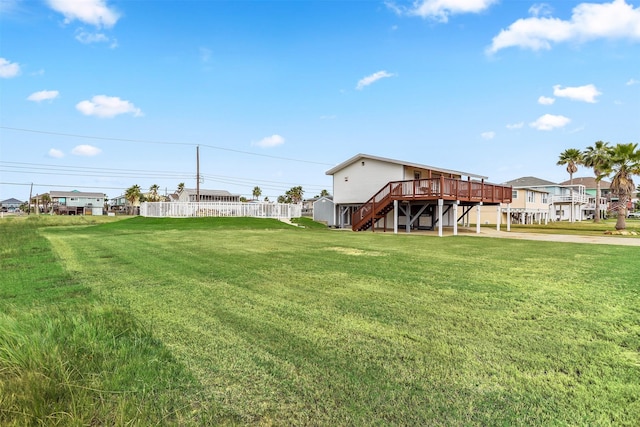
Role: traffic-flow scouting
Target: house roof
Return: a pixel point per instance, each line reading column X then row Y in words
column 193, row 191
column 588, row 182
column 360, row 156
column 529, row 181
column 11, row 201
column 53, row 194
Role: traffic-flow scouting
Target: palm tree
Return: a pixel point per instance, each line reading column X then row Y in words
column 45, row 199
column 132, row 195
column 598, row 157
column 572, row 157
column 295, row 194
column 153, row 193
column 180, row 187
column 257, row 192
column 625, row 162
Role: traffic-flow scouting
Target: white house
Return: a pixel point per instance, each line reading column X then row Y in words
column 371, row 192
column 77, row 202
column 191, row 195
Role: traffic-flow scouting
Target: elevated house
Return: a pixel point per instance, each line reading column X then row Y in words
column 530, row 203
column 77, row 202
column 565, row 202
column 371, row 192
column 590, row 186
column 10, row 205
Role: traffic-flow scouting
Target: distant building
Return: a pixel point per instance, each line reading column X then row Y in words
column 77, row 202
column 191, row 195
column 10, row 205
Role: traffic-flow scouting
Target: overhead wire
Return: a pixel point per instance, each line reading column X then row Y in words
column 144, row 141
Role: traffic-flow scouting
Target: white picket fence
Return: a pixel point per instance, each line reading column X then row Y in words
column 228, row 209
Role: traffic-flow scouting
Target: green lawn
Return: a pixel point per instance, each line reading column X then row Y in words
column 246, row 321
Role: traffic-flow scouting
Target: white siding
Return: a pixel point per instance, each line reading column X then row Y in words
column 357, row 182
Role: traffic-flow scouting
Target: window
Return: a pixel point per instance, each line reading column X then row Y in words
column 514, row 194
column 531, row 196
column 416, row 174
column 545, row 197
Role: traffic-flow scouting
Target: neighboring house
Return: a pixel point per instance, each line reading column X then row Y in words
column 10, row 205
column 529, row 204
column 565, row 202
column 118, row 204
column 377, row 192
column 191, row 195
column 77, row 202
column 590, row 185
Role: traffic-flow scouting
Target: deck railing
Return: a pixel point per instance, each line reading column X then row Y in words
column 430, row 189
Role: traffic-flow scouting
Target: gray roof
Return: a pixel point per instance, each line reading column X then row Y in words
column 357, row 157
column 88, row 195
column 529, row 181
column 11, row 201
column 588, row 182
column 193, row 191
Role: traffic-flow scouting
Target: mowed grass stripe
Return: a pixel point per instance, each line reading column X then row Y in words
column 315, row 327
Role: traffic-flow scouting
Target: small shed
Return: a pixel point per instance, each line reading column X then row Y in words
column 324, row 211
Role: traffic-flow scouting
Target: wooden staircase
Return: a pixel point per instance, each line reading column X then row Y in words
column 376, row 207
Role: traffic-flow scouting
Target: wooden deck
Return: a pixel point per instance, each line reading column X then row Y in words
column 430, row 189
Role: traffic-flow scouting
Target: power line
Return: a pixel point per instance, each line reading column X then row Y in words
column 144, row 141
column 61, row 170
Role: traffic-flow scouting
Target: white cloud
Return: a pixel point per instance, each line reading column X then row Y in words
column 488, row 135
column 55, row 153
column 86, row 37
column 270, row 141
column 540, row 9
column 586, row 93
column 107, row 106
column 544, row 100
column 86, row 150
column 632, row 82
column 440, row 10
column 614, row 20
column 366, row 81
column 8, row 69
column 514, row 126
column 93, row 12
column 549, row 122
column 43, row 95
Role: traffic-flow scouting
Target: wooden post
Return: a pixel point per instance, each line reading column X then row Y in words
column 440, row 205
column 455, row 217
column 395, row 217
column 508, row 216
column 498, row 218
column 478, row 218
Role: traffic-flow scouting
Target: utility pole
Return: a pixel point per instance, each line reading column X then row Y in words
column 198, row 173
column 29, row 204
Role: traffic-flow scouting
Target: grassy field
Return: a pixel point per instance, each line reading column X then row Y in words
column 246, row 321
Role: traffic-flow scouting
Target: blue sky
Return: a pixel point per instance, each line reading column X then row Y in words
column 99, row 95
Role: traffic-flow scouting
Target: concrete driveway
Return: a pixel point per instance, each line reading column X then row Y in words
column 566, row 238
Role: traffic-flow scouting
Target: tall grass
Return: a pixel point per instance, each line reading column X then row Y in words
column 70, row 358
